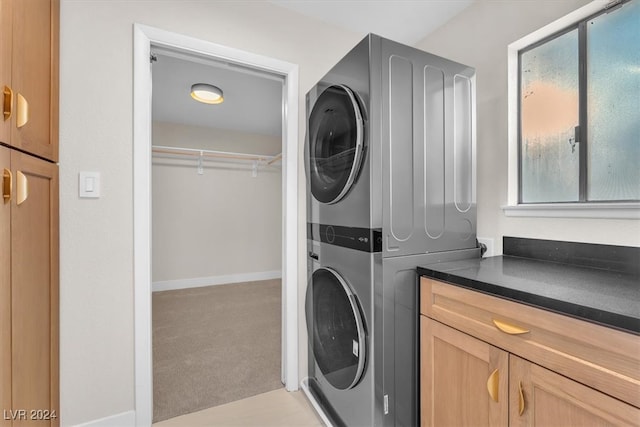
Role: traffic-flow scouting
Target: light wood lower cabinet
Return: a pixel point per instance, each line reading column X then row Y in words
column 540, row 397
column 29, row 291
column 463, row 379
column 5, row 287
column 487, row 361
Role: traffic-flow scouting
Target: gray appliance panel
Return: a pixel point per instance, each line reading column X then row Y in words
column 397, row 331
column 428, row 152
column 353, row 406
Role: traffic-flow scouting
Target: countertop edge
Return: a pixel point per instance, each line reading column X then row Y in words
column 597, row 316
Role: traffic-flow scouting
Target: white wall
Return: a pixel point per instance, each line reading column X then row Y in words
column 96, row 236
column 479, row 37
column 223, row 222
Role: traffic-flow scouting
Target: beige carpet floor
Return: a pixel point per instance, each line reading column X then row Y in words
column 214, row 345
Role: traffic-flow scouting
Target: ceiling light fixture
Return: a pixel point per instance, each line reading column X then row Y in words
column 209, row 94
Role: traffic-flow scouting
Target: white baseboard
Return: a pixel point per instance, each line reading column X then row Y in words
column 124, row 419
column 198, row 282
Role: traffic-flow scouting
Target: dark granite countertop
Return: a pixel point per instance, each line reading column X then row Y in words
column 609, row 298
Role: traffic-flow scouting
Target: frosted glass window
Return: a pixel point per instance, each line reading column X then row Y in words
column 580, row 111
column 613, row 94
column 549, row 114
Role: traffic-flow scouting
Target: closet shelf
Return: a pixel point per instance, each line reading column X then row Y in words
column 212, row 154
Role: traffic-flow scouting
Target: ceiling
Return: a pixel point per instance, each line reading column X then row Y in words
column 253, row 100
column 404, row 21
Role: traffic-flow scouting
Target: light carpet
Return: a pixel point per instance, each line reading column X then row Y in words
column 214, row 345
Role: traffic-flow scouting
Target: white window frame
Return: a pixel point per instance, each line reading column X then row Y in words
column 623, row 210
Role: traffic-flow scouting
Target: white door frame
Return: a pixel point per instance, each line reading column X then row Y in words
column 143, row 38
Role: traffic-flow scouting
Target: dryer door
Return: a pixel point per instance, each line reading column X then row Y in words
column 336, row 329
column 335, row 144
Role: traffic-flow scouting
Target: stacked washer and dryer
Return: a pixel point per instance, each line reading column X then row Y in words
column 390, row 162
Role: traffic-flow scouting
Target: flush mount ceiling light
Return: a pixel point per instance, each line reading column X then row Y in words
column 209, row 94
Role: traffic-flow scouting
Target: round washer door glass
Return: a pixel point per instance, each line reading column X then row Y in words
column 335, row 323
column 335, row 143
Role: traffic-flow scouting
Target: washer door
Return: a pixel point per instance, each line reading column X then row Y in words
column 335, row 144
column 335, row 326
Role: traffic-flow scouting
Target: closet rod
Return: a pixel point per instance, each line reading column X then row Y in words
column 215, row 154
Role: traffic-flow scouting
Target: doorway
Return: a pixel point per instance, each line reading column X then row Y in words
column 144, row 38
column 216, row 233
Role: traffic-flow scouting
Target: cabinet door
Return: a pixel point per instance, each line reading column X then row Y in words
column 5, row 68
column 5, row 287
column 540, row 397
column 34, row 76
column 34, row 285
column 463, row 380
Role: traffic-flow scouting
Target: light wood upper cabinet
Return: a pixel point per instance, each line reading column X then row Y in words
column 6, row 18
column 561, row 371
column 29, row 71
column 466, row 378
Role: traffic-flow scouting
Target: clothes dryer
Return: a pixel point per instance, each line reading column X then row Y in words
column 337, row 145
column 390, row 146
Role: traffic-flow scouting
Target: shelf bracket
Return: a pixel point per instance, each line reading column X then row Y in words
column 200, row 167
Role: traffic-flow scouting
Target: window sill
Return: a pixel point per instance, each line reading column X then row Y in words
column 575, row 210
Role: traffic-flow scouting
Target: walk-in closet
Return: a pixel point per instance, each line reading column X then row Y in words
column 216, row 233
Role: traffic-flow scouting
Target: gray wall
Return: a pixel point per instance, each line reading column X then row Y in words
column 479, row 37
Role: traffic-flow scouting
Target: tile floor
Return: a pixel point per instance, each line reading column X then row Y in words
column 275, row 408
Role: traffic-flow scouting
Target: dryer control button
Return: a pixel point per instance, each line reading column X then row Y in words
column 330, row 234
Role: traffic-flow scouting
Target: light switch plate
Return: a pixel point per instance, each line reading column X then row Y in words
column 89, row 185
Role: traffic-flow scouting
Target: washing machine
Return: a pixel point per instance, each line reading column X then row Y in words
column 339, row 315
column 362, row 318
